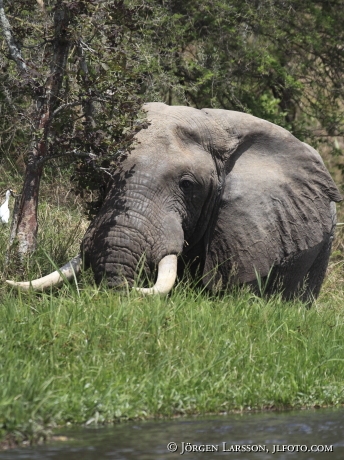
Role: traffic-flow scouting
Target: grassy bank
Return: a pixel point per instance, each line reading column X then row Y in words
column 90, row 355
column 94, row 356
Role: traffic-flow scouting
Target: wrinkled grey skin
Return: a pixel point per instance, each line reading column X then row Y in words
column 240, row 195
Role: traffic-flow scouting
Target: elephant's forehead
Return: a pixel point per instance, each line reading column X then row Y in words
column 176, row 155
column 176, row 125
column 171, row 143
column 173, row 114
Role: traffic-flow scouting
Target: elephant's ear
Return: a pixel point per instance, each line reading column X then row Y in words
column 275, row 202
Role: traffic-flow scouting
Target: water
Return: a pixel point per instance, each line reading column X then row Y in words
column 208, row 437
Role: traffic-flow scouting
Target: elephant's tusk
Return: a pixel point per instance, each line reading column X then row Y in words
column 68, row 271
column 167, row 274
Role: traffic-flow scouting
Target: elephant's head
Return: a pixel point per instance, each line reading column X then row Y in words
column 163, row 198
column 238, row 193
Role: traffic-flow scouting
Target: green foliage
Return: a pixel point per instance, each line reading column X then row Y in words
column 94, row 112
column 282, row 61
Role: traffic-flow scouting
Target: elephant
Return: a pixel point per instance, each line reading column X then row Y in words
column 239, row 198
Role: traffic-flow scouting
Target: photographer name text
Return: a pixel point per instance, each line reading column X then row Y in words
column 188, row 447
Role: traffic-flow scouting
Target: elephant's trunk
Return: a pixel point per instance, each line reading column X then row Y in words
column 131, row 237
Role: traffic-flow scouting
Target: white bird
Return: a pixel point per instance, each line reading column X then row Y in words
column 4, row 209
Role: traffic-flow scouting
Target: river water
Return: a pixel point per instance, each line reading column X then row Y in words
column 311, row 434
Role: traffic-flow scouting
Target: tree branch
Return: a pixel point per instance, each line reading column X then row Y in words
column 73, row 153
column 76, row 103
column 13, row 48
column 62, row 107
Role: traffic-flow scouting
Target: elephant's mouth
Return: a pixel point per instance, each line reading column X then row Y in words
column 167, row 274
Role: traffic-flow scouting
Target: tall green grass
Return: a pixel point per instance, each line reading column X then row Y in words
column 94, row 356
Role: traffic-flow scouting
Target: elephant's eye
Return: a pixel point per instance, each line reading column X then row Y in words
column 186, row 184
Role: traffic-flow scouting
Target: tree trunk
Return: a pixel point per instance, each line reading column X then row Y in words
column 24, row 225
